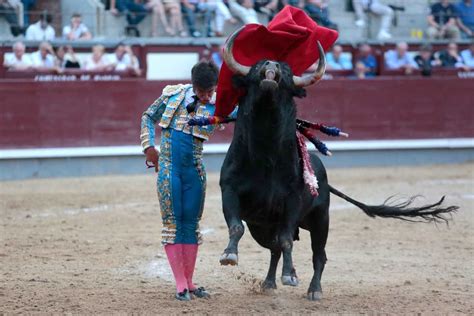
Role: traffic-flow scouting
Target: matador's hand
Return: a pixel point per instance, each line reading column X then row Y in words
column 152, row 156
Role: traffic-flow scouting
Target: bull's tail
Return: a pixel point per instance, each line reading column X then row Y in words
column 402, row 210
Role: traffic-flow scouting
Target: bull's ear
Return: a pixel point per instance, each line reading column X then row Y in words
column 299, row 92
column 239, row 81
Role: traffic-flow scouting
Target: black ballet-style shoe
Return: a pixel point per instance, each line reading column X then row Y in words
column 183, row 296
column 200, row 293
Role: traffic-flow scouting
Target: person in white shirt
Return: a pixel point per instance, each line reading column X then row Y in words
column 337, row 60
column 76, row 30
column 399, row 58
column 17, row 60
column 244, row 10
column 97, row 61
column 41, row 30
column 467, row 56
column 376, row 7
column 221, row 15
column 123, row 59
column 43, row 59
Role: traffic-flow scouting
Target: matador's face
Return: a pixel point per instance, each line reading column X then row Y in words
column 204, row 95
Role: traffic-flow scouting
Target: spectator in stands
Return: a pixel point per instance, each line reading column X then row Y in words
column 98, row 60
column 43, row 58
column 207, row 8
column 222, row 15
column 123, row 59
column 41, row 30
column 9, row 10
column 266, row 7
column 377, row 8
column 66, row 58
column 17, row 60
column 366, row 57
column 468, row 56
column 426, row 60
column 189, row 9
column 27, row 6
column 318, row 11
column 360, row 71
column 465, row 21
column 136, row 12
column 336, row 60
column 442, row 21
column 400, row 59
column 295, row 3
column 173, row 7
column 450, row 57
column 244, row 10
column 76, row 30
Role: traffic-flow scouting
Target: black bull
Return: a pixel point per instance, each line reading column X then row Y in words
column 262, row 178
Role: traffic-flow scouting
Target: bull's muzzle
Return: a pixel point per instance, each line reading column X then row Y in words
column 270, row 74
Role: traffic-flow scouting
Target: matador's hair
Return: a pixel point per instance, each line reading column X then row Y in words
column 204, row 75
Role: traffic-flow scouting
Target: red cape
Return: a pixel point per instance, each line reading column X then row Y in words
column 290, row 37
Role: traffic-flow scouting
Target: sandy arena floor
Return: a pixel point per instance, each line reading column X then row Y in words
column 92, row 245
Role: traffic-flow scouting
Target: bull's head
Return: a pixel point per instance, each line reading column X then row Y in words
column 270, row 71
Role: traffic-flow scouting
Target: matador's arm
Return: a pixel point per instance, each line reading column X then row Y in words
column 149, row 118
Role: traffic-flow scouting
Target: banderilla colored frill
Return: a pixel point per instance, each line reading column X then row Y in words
column 304, row 127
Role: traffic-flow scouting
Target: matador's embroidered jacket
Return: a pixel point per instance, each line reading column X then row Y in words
column 169, row 111
column 181, row 181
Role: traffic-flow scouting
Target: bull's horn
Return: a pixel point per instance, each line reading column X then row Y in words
column 307, row 80
column 229, row 57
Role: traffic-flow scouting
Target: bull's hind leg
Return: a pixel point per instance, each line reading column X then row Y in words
column 265, row 237
column 319, row 235
column 270, row 280
column 231, row 207
column 288, row 275
column 288, row 227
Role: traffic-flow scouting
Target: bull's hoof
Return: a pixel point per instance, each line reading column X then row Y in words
column 289, row 280
column 315, row 295
column 269, row 286
column 229, row 258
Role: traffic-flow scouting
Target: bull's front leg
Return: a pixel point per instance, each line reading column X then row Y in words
column 231, row 207
column 288, row 228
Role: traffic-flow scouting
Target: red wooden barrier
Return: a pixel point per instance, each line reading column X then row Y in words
column 88, row 113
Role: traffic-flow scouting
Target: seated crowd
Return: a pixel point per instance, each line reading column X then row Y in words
column 446, row 20
column 43, row 31
column 63, row 57
column 426, row 59
column 364, row 63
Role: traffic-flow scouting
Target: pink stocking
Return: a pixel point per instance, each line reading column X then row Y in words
column 189, row 256
column 175, row 258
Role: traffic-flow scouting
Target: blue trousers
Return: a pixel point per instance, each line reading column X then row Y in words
column 135, row 12
column 181, row 187
column 190, row 17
